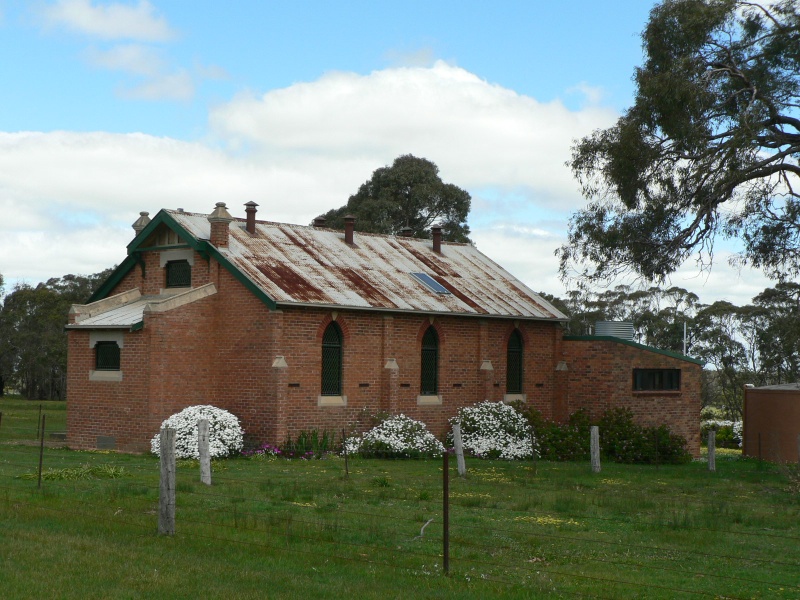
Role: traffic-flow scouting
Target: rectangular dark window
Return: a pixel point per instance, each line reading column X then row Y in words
column 179, row 274
column 106, row 356
column 645, row 380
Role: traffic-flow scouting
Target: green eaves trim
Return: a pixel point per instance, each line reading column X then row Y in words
column 609, row 338
column 137, row 326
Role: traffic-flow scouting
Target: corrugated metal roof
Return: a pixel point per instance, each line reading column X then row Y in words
column 126, row 315
column 296, row 264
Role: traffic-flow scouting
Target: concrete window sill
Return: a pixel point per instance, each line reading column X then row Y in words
column 332, row 401
column 509, row 398
column 105, row 375
column 429, row 400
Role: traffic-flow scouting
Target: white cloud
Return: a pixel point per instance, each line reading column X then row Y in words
column 592, row 94
column 478, row 133
column 131, row 58
column 114, row 21
column 175, row 86
column 69, row 198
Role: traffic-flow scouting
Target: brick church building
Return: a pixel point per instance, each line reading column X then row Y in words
column 294, row 328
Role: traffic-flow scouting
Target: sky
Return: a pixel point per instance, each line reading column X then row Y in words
column 112, row 108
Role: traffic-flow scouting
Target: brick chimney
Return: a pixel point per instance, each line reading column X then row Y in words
column 436, row 232
column 141, row 222
column 220, row 219
column 250, row 209
column 320, row 221
column 349, row 225
column 406, row 232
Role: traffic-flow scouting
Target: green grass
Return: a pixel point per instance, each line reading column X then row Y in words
column 19, row 417
column 290, row 529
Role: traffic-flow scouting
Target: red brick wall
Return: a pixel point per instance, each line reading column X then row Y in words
column 600, row 376
column 220, row 351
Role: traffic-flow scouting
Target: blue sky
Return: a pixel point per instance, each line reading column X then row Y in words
column 110, row 108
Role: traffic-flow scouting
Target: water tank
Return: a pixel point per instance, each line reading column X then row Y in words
column 618, row 329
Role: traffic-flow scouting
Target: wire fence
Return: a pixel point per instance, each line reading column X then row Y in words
column 467, row 523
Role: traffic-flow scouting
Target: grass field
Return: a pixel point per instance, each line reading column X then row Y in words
column 292, row 529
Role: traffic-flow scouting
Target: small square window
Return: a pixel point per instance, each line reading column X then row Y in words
column 106, row 356
column 179, row 274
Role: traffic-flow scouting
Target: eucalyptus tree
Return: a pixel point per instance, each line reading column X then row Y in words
column 709, row 148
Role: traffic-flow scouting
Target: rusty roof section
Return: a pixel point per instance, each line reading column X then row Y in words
column 305, row 265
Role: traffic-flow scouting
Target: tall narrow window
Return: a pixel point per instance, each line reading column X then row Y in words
column 429, row 380
column 514, row 364
column 106, row 356
column 179, row 274
column 332, row 361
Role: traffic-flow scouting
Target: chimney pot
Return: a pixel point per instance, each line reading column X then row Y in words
column 250, row 209
column 406, row 231
column 320, row 221
column 220, row 220
column 141, row 222
column 436, row 232
column 349, row 225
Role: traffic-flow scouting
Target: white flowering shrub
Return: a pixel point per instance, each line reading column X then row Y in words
column 729, row 433
column 396, row 437
column 225, row 435
column 495, row 430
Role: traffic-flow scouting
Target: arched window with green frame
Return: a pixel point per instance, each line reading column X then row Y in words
column 332, row 360
column 429, row 372
column 514, row 363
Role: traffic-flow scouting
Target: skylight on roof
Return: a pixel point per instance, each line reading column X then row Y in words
column 430, row 283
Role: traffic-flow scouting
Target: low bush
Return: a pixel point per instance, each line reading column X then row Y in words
column 308, row 444
column 495, row 430
column 396, row 436
column 225, row 435
column 621, row 440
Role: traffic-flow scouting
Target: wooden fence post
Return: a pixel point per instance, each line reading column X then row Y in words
column 595, row 448
column 462, row 467
column 166, row 488
column 712, row 450
column 202, row 447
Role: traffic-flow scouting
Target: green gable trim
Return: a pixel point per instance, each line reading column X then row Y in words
column 137, row 326
column 165, row 218
column 609, row 338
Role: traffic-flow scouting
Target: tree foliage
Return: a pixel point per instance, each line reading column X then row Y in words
column 710, row 147
column 409, row 193
column 33, row 343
